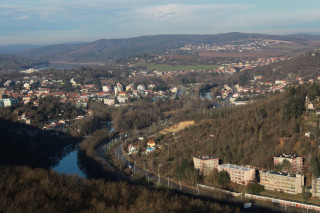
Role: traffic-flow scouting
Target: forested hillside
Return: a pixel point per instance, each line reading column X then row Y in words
column 251, row 134
column 16, row 63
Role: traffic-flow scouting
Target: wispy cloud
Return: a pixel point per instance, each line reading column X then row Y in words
column 176, row 12
column 21, row 17
column 94, row 19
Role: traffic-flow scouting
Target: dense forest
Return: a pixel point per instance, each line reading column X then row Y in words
column 26, row 190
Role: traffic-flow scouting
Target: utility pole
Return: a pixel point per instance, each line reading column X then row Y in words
column 144, row 168
column 158, row 176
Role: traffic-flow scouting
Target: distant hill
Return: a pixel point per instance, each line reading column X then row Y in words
column 17, row 48
column 110, row 49
column 16, row 63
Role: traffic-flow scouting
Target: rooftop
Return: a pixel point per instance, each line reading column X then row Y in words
column 205, row 157
column 279, row 173
column 232, row 166
column 287, row 156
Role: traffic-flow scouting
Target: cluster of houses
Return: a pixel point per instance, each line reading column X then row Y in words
column 251, row 44
column 133, row 149
column 110, row 95
column 283, row 181
column 258, row 86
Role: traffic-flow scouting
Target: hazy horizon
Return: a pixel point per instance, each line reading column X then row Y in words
column 63, row 21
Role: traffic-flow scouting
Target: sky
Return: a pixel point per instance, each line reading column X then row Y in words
column 60, row 21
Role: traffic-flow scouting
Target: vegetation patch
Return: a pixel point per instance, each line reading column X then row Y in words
column 168, row 67
column 177, row 127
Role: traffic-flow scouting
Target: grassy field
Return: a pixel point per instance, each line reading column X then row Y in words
column 289, row 47
column 167, row 67
column 286, row 196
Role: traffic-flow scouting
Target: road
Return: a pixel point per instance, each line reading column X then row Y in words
column 156, row 180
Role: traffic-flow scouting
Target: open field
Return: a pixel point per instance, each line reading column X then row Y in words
column 289, row 47
column 167, row 67
column 212, row 54
column 177, row 127
column 286, row 196
column 314, row 43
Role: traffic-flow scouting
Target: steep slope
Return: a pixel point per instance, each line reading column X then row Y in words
column 250, row 134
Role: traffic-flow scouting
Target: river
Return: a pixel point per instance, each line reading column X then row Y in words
column 69, row 165
column 206, row 95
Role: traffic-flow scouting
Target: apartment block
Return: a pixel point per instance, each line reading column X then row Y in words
column 315, row 187
column 282, row 182
column 7, row 102
column 296, row 162
column 238, row 174
column 205, row 163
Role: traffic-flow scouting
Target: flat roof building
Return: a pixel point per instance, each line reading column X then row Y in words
column 205, row 163
column 238, row 174
column 295, row 161
column 282, row 182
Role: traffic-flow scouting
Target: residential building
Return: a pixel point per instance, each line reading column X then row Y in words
column 130, row 87
column 295, row 161
column 109, row 101
column 238, row 174
column 151, row 143
column 205, row 163
column 122, row 99
column 141, row 87
column 151, row 86
column 282, row 182
column 7, row 102
column 106, row 88
column 119, row 87
column 315, row 187
column 133, row 148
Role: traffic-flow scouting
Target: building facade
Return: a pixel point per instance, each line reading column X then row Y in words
column 282, row 182
column 295, row 161
column 315, row 187
column 7, row 102
column 239, row 174
column 205, row 163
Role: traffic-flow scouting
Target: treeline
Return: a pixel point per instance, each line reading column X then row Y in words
column 100, row 116
column 23, row 145
column 26, row 190
column 89, row 160
column 16, row 63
